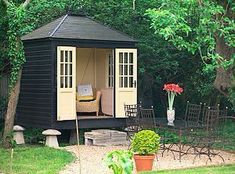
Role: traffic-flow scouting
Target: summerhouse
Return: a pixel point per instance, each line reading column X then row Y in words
column 77, row 67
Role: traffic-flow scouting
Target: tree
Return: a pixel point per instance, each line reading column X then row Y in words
column 16, row 56
column 201, row 26
column 21, row 18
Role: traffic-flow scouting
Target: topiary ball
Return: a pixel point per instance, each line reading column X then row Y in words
column 145, row 142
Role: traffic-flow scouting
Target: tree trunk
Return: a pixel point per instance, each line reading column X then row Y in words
column 11, row 111
column 224, row 77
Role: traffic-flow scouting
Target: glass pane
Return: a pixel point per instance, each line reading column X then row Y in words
column 111, row 59
column 120, row 57
column 131, row 57
column 120, row 82
column 66, row 82
column 131, row 70
column 125, row 69
column 70, row 56
column 61, row 56
column 66, row 56
column 120, row 70
column 125, row 82
column 61, row 69
column 130, row 82
column 70, row 69
column 66, row 69
column 126, row 57
column 61, row 82
column 111, row 70
column 70, row 82
column 111, row 80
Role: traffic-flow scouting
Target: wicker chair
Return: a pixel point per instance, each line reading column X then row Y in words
column 89, row 106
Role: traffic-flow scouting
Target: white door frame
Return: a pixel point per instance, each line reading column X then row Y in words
column 125, row 79
column 66, row 83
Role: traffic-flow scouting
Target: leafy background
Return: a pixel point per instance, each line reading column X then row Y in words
column 159, row 61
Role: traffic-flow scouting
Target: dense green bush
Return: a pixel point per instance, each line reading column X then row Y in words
column 145, row 142
column 34, row 136
column 3, row 103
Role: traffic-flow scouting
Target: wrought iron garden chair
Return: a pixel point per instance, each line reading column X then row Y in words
column 204, row 110
column 192, row 113
column 192, row 119
column 207, row 138
column 132, row 121
column 147, row 119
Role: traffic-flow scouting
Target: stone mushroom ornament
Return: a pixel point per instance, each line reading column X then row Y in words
column 51, row 137
column 18, row 135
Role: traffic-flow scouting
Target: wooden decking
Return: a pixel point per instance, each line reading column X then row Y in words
column 93, row 117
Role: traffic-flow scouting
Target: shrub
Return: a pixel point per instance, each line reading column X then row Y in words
column 3, row 104
column 33, row 135
column 120, row 161
column 145, row 142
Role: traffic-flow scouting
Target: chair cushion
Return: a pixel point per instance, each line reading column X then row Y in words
column 84, row 98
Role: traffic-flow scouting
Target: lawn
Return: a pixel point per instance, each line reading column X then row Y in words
column 227, row 169
column 34, row 160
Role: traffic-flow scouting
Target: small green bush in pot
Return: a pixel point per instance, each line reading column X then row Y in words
column 145, row 145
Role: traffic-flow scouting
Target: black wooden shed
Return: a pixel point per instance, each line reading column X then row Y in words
column 74, row 51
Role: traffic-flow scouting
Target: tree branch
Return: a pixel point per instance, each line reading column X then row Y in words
column 6, row 2
column 26, row 3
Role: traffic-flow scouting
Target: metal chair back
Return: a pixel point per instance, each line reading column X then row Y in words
column 212, row 117
column 192, row 113
column 132, row 121
column 131, row 110
column 204, row 110
column 147, row 118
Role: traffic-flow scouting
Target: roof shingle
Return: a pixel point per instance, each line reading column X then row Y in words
column 77, row 27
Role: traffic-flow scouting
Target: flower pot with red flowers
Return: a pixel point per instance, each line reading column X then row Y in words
column 172, row 91
column 145, row 145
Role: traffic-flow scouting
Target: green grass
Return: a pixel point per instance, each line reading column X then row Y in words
column 34, row 160
column 227, row 169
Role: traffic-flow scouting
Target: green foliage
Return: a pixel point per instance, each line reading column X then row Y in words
column 10, row 140
column 15, row 16
column 159, row 61
column 195, row 26
column 19, row 22
column 192, row 25
column 120, row 161
column 2, row 104
column 34, row 136
column 145, row 142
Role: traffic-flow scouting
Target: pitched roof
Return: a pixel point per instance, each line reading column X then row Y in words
column 77, row 27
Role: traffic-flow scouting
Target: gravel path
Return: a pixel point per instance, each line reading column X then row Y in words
column 91, row 160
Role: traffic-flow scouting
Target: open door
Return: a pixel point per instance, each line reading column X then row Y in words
column 125, row 79
column 66, row 83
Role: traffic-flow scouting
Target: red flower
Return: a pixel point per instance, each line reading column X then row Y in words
column 173, row 88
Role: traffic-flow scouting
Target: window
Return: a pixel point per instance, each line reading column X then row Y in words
column 110, row 70
column 126, row 71
column 66, row 69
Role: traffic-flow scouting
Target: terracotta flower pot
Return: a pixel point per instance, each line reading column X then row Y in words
column 144, row 163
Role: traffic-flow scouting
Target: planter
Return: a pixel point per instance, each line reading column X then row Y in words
column 170, row 117
column 144, row 163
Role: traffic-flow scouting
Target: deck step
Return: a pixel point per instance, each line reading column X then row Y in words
column 106, row 137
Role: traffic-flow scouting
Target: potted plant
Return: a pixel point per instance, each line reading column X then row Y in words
column 145, row 145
